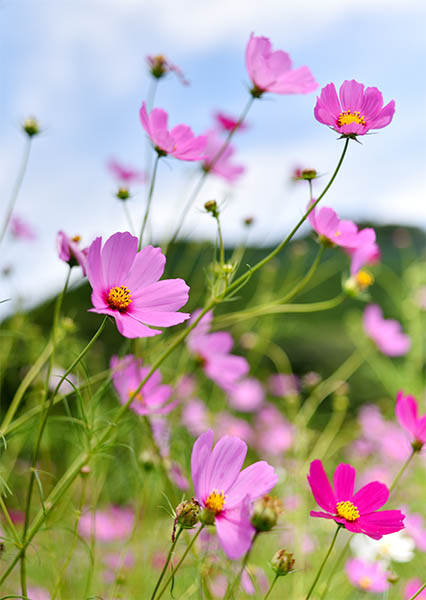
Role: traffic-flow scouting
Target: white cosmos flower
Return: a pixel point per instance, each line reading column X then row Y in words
column 395, row 546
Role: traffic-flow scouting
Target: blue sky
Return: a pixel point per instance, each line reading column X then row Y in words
column 79, row 66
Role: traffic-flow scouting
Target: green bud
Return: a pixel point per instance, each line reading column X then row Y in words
column 188, row 513
column 211, row 207
column 248, row 221
column 123, row 193
column 282, row 562
column 207, row 517
column 31, row 126
column 265, row 514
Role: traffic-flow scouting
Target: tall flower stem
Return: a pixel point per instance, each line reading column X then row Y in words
column 184, row 555
column 17, row 186
column 149, row 200
column 318, row 575
column 235, row 584
column 419, row 591
column 204, row 174
column 306, row 279
column 336, row 566
column 401, row 471
column 271, row 586
column 169, row 556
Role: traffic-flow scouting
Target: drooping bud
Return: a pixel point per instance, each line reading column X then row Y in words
column 211, row 207
column 282, row 562
column 123, row 193
column 265, row 514
column 188, row 513
column 31, row 126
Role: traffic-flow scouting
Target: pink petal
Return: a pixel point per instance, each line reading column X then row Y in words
column 158, row 318
column 132, row 328
column 166, row 295
column 384, row 117
column 148, row 267
column 351, row 95
column 371, row 497
column 321, row 488
column 406, row 412
column 322, row 515
column 381, row 523
column 224, row 464
column 254, row 482
column 95, row 272
column 118, row 254
column 372, row 103
column 344, row 480
column 199, row 460
column 235, row 532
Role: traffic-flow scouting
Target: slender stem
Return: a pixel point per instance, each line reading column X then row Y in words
column 9, row 521
column 17, row 186
column 128, row 216
column 419, row 591
column 311, row 589
column 169, row 556
column 149, row 199
column 306, row 279
column 152, row 90
column 271, row 586
column 336, row 566
column 235, row 584
column 221, row 247
column 191, row 543
column 401, row 471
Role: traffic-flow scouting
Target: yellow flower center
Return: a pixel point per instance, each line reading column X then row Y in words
column 347, row 117
column 347, row 510
column 215, row 501
column 119, row 297
column 138, row 398
column 76, row 238
column 364, row 279
column 365, row 582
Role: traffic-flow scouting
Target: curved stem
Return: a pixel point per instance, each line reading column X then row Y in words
column 318, row 575
column 306, row 279
column 17, row 186
column 169, row 556
column 184, row 555
column 149, row 200
column 401, row 471
column 271, row 586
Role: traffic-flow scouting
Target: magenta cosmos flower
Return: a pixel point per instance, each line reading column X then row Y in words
column 369, row 577
column 407, row 414
column 356, row 511
column 179, row 142
column 355, row 111
column 226, row 492
column 386, row 333
column 272, row 71
column 213, row 351
column 218, row 162
column 127, row 374
column 125, row 174
column 70, row 252
column 125, row 286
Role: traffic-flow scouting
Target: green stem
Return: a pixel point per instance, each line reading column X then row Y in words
column 169, row 556
column 9, row 521
column 271, row 586
column 235, row 584
column 184, row 555
column 311, row 589
column 149, row 199
column 336, row 566
column 401, row 471
column 419, row 591
column 128, row 216
column 306, row 279
column 221, row 247
column 17, row 186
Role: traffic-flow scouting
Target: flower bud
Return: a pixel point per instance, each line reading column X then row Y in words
column 265, row 514
column 85, row 471
column 304, row 174
column 207, row 517
column 123, row 193
column 392, row 578
column 282, row 562
column 356, row 285
column 31, row 126
column 228, row 268
column 158, row 65
column 311, row 380
column 148, row 459
column 248, row 221
column 211, row 207
column 188, row 513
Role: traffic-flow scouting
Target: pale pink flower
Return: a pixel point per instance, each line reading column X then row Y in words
column 219, row 162
column 153, row 397
column 355, row 111
column 195, row 416
column 116, row 561
column 381, row 436
column 126, row 175
column 247, row 395
column 272, row 71
column 21, row 229
column 413, row 586
column 273, row 433
column 179, row 142
column 177, row 476
column 258, row 575
column 366, row 252
column 283, row 384
column 415, row 527
column 113, row 523
column 227, row 424
column 125, row 286
column 369, row 577
column 386, row 333
column 70, row 252
column 37, row 593
column 227, row 122
column 407, row 414
column 326, row 223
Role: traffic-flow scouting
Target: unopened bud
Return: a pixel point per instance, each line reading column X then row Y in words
column 85, row 471
column 392, row 578
column 248, row 221
column 68, row 324
column 188, row 513
column 266, row 512
column 123, row 193
column 228, row 268
column 282, row 562
column 304, row 174
column 148, row 460
column 310, row 380
column 417, row 445
column 207, row 517
column 158, row 65
column 31, row 126
column 211, row 207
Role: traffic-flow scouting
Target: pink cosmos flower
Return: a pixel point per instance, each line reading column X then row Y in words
column 70, row 252
column 283, row 384
column 127, row 373
column 213, row 350
column 273, row 433
column 124, row 174
column 195, row 416
column 228, row 123
column 272, row 71
column 357, row 512
column 113, row 523
column 218, row 162
column 415, row 526
column 116, row 562
column 326, row 223
column 38, row 593
column 386, row 333
column 125, row 286
column 382, row 437
column 369, row 577
column 160, row 66
column 227, row 424
column 355, row 111
column 226, row 491
column 247, row 395
column 179, row 142
column 413, row 586
column 21, row 230
column 407, row 414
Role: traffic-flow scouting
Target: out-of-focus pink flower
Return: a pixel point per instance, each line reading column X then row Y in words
column 366, row 251
column 356, row 511
column 21, row 229
column 127, row 175
column 195, row 416
column 328, row 226
column 407, row 414
column 177, row 476
column 226, row 491
column 179, row 142
column 161, row 433
column 381, row 436
column 213, row 350
column 185, row 387
column 67, row 384
column 377, row 473
column 282, row 384
column 290, row 536
column 37, row 593
column 227, row 122
column 247, row 395
column 70, row 252
column 160, row 65
column 260, row 578
column 272, row 71
column 227, row 424
column 125, row 286
column 115, row 561
column 413, row 586
column 127, row 374
column 386, row 333
column 273, row 433
column 219, row 162
column 113, row 523
column 305, row 174
column 355, row 111
column 415, row 526
column 218, row 585
column 369, row 577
